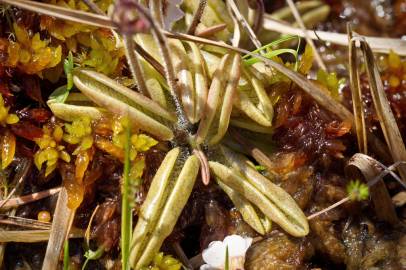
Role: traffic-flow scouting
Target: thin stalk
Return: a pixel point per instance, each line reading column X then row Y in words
column 21, row 200
column 273, row 43
column 197, row 17
column 89, row 225
column 226, row 263
column 162, row 43
column 9, row 219
column 134, row 64
column 156, row 10
column 32, row 236
column 148, row 57
column 244, row 23
column 125, row 205
column 372, row 182
column 17, row 180
column 388, row 170
column 299, row 20
column 63, row 13
column 325, row 210
column 235, row 42
column 285, row 13
column 93, row 7
column 383, row 109
column 20, row 177
column 211, row 30
column 66, row 255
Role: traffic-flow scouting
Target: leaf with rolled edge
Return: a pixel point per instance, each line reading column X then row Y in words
column 174, row 205
column 252, row 99
column 270, row 209
column 247, row 210
column 264, row 103
column 383, row 109
column 356, row 94
column 152, row 206
column 229, row 93
column 240, row 163
column 361, row 166
column 273, row 201
column 183, row 69
column 155, row 85
column 105, row 92
column 217, row 112
column 200, row 80
column 185, row 76
column 213, row 101
column 76, row 106
column 123, row 93
column 246, row 105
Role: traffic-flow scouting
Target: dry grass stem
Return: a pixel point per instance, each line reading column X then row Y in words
column 299, row 20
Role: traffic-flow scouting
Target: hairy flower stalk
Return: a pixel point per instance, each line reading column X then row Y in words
column 130, row 47
column 156, row 11
column 197, row 17
column 128, row 22
column 134, row 64
column 148, row 57
column 244, row 23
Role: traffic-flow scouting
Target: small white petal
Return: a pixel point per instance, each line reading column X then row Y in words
column 248, row 242
column 237, row 245
column 207, row 267
column 215, row 254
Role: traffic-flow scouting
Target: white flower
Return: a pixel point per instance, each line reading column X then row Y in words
column 215, row 255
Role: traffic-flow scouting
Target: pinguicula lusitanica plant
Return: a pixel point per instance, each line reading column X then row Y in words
column 191, row 105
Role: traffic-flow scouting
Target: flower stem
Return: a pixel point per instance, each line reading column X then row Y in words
column 156, row 10
column 197, row 17
column 125, row 205
column 134, row 64
column 161, row 40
